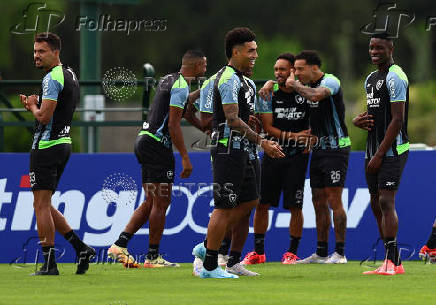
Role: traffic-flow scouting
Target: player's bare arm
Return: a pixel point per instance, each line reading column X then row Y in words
column 267, row 89
column 43, row 114
column 189, row 115
column 312, row 94
column 271, row 148
column 177, row 138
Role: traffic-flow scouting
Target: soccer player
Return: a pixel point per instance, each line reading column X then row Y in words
column 329, row 163
column 429, row 249
column 387, row 146
column 153, row 149
column 240, row 231
column 285, row 117
column 51, row 148
column 235, row 186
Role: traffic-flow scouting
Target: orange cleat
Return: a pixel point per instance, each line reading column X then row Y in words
column 253, row 258
column 388, row 268
column 427, row 252
column 289, row 258
column 399, row 269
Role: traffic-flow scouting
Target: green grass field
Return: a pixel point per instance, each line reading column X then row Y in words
column 278, row 284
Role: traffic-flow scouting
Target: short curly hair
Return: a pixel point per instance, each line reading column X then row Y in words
column 287, row 56
column 310, row 56
column 237, row 36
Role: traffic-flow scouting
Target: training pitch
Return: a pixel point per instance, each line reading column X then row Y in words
column 278, row 284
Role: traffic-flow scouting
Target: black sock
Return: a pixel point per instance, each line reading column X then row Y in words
column 322, row 248
column 49, row 256
column 339, row 249
column 123, row 239
column 225, row 246
column 205, row 243
column 293, row 246
column 431, row 243
column 153, row 251
column 211, row 260
column 75, row 241
column 259, row 243
column 234, row 258
column 392, row 250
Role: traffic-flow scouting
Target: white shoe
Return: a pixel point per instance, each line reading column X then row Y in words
column 197, row 266
column 313, row 259
column 335, row 258
column 238, row 269
column 222, row 259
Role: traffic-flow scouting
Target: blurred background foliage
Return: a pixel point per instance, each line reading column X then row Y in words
column 331, row 27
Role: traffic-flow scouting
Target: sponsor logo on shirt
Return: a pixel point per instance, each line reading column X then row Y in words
column 392, row 87
column 372, row 102
column 289, row 113
column 235, row 89
column 45, row 87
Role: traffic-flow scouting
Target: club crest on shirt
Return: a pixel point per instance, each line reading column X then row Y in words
column 170, row 174
column 299, row 99
column 379, row 84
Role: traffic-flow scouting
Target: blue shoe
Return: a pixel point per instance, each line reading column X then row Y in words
column 217, row 273
column 199, row 251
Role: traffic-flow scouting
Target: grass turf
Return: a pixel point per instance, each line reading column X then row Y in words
column 278, row 284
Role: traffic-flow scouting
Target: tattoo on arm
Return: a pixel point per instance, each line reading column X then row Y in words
column 312, row 94
column 235, row 122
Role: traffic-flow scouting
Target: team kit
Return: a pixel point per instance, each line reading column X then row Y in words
column 301, row 113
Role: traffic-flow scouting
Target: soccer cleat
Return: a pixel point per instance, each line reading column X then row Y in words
column 159, row 262
column 217, row 273
column 336, row 258
column 222, row 259
column 84, row 258
column 388, row 268
column 399, row 269
column 427, row 252
column 289, row 258
column 122, row 256
column 238, row 269
column 197, row 266
column 47, row 271
column 313, row 259
column 199, row 251
column 253, row 258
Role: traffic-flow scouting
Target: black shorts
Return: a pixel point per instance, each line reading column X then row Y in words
column 328, row 168
column 234, row 177
column 157, row 161
column 287, row 175
column 389, row 175
column 47, row 166
column 257, row 171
